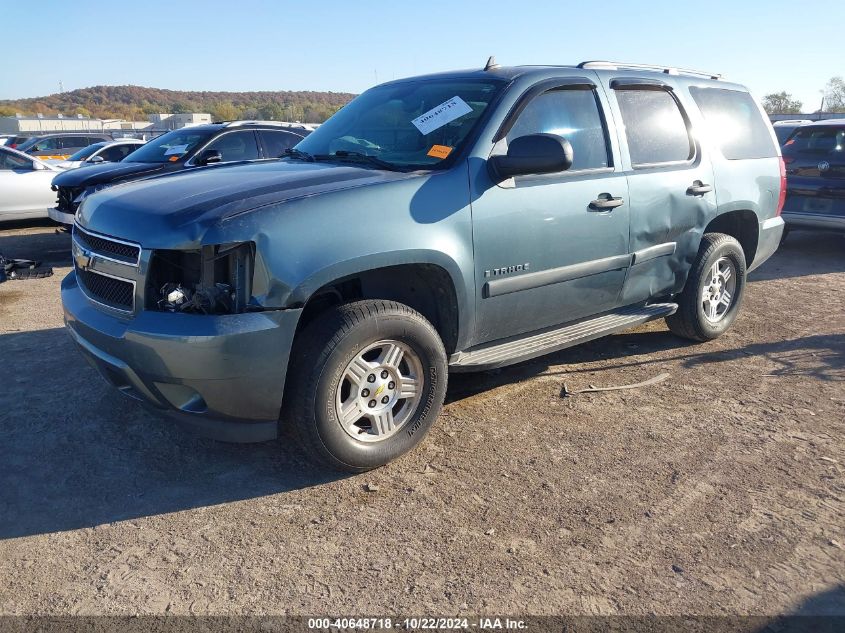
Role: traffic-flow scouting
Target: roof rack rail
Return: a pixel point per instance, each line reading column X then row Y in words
column 256, row 122
column 669, row 70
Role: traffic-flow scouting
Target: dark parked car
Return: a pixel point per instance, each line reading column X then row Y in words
column 60, row 146
column 784, row 129
column 15, row 142
column 815, row 176
column 197, row 146
column 453, row 222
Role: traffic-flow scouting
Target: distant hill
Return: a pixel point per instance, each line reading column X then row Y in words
column 134, row 103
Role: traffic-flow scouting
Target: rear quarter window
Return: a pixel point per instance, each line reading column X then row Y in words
column 735, row 123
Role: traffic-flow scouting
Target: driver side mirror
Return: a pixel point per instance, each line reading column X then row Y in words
column 36, row 166
column 96, row 159
column 209, row 156
column 532, row 154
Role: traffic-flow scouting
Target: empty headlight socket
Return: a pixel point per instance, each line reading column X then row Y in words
column 229, row 264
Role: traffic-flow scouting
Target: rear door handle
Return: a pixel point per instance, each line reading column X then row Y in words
column 698, row 188
column 606, row 202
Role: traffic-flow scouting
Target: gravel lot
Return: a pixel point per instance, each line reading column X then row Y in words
column 718, row 491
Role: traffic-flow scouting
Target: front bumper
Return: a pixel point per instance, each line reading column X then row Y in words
column 62, row 217
column 768, row 240
column 223, row 374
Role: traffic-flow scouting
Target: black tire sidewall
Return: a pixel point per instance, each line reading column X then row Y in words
column 423, row 340
column 733, row 251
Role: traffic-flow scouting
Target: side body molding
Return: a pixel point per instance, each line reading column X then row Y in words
column 527, row 281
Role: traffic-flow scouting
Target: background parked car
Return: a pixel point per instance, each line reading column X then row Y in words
column 15, row 142
column 5, row 138
column 815, row 176
column 24, row 186
column 103, row 152
column 60, row 146
column 185, row 148
column 784, row 128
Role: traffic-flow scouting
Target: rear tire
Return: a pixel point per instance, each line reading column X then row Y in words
column 714, row 290
column 366, row 381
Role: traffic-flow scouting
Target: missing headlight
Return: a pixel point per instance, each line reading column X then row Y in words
column 214, row 280
column 215, row 299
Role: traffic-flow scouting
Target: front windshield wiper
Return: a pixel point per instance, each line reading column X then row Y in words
column 358, row 157
column 292, row 152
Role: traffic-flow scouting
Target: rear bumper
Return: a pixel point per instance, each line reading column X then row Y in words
column 223, row 375
column 768, row 240
column 61, row 217
column 814, row 221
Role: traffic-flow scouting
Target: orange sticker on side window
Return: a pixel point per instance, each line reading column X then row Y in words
column 439, row 151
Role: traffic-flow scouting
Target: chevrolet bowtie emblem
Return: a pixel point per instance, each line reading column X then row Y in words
column 84, row 259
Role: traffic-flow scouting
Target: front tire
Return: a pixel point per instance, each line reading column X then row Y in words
column 366, row 382
column 714, row 290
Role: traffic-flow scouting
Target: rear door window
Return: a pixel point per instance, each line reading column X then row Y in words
column 115, row 153
column 236, row 146
column 74, row 142
column 655, row 127
column 277, row 141
column 735, row 123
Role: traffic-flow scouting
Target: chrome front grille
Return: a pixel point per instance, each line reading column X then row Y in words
column 108, row 247
column 109, row 291
column 107, row 269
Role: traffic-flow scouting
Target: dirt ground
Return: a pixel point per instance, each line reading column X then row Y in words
column 718, row 491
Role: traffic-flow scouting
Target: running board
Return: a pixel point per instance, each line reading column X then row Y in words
column 533, row 344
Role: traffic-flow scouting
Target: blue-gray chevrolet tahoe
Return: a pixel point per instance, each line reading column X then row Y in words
column 451, row 222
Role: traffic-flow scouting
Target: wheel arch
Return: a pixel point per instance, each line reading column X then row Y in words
column 742, row 225
column 428, row 283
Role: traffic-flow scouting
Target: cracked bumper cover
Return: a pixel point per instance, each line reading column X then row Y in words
column 223, row 374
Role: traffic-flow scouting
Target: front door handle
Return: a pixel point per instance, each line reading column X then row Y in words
column 698, row 188
column 606, row 202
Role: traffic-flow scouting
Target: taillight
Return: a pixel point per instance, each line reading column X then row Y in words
column 782, row 196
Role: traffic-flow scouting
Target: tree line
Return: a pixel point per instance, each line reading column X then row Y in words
column 136, row 103
column 783, row 102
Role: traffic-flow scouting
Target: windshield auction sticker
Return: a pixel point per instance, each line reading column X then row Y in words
column 439, row 116
column 439, row 151
column 176, row 149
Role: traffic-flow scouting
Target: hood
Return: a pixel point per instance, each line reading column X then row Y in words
column 189, row 202
column 104, row 174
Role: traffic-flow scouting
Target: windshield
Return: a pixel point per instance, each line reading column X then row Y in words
column 85, row 152
column 168, row 147
column 408, row 125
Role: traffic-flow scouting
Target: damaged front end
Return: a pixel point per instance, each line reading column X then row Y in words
column 216, row 279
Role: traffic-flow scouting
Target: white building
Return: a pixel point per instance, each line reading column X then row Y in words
column 44, row 124
column 40, row 124
column 176, row 121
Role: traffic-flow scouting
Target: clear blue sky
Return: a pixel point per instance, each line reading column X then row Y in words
column 769, row 45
